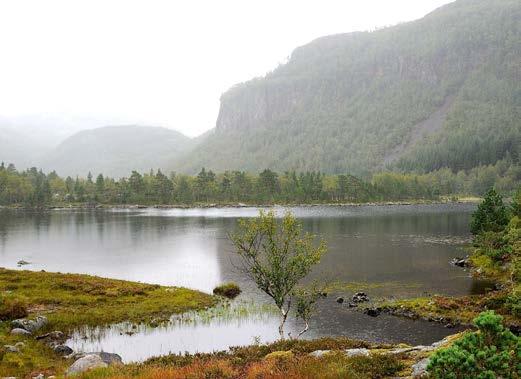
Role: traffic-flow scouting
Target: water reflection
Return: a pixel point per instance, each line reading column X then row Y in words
column 404, row 249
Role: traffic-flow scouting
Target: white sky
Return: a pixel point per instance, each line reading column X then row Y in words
column 159, row 62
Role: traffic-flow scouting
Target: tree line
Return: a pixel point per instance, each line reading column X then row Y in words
column 35, row 188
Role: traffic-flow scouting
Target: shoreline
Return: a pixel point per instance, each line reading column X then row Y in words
column 86, row 206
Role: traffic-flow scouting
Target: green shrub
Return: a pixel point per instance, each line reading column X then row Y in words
column 229, row 290
column 489, row 353
column 12, row 308
column 513, row 304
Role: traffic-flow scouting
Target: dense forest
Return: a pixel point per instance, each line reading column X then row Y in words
column 32, row 187
column 440, row 92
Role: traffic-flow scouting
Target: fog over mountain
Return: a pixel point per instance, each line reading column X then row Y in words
column 439, row 92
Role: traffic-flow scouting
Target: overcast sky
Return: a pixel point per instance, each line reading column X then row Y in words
column 163, row 63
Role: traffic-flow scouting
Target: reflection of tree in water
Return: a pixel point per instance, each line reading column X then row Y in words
column 4, row 229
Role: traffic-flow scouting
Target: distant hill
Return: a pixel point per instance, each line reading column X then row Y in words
column 20, row 148
column 117, row 150
column 442, row 91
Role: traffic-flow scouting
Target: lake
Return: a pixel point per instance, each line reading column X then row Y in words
column 386, row 251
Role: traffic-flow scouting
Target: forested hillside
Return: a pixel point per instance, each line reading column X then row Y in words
column 116, row 151
column 440, row 92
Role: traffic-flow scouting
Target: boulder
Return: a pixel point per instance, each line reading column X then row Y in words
column 419, row 369
column 20, row 332
column 360, row 297
column 88, row 362
column 339, row 300
column 63, row 350
column 22, row 263
column 460, row 262
column 319, row 353
column 373, row 312
column 30, row 325
column 11, row 349
column 357, row 352
column 110, row 358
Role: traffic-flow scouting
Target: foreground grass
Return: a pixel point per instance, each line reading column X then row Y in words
column 70, row 301
column 281, row 359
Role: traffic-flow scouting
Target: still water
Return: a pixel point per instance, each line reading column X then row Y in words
column 387, row 251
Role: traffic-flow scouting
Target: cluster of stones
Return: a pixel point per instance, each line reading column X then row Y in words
column 56, row 340
column 359, row 297
column 418, row 369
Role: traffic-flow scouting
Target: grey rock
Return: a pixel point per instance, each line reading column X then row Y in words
column 63, row 350
column 11, row 349
column 30, row 325
column 22, row 263
column 319, row 353
column 88, row 362
column 20, row 332
column 39, row 376
column 110, row 358
column 357, row 352
column 19, row 345
column 419, row 369
column 360, row 297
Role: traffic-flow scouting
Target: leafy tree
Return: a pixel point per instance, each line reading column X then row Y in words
column 491, row 215
column 492, row 352
column 276, row 256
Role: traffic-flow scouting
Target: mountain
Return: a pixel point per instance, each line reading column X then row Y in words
column 117, row 150
column 442, row 91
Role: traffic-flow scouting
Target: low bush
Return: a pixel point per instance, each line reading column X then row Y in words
column 12, row 308
column 229, row 290
column 491, row 352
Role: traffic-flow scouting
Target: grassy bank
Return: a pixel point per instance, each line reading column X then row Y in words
column 282, row 359
column 70, row 301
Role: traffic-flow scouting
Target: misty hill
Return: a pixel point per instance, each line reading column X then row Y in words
column 442, row 91
column 19, row 148
column 117, row 150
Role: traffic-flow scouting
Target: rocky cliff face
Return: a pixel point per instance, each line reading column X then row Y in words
column 359, row 101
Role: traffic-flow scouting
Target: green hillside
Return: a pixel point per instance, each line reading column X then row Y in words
column 442, row 91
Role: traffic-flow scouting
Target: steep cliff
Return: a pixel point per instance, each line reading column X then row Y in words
column 398, row 96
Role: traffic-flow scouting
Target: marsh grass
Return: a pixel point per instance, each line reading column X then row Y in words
column 70, row 301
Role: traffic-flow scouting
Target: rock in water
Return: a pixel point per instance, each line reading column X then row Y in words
column 339, row 300
column 373, row 312
column 110, row 358
column 63, row 350
column 88, row 362
column 460, row 262
column 360, row 297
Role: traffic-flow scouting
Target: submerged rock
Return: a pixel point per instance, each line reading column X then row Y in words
column 339, row 300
